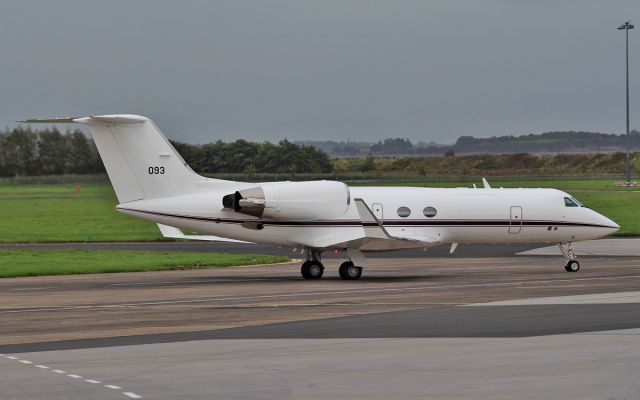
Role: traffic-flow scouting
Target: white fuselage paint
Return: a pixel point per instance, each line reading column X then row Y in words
column 464, row 215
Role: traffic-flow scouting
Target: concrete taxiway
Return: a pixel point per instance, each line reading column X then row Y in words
column 504, row 326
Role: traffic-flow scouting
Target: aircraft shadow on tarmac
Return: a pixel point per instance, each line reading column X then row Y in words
column 269, row 280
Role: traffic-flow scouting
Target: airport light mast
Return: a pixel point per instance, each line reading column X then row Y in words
column 625, row 27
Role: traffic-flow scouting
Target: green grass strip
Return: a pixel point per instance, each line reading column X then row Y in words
column 16, row 263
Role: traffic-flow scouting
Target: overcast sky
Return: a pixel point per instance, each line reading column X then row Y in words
column 323, row 69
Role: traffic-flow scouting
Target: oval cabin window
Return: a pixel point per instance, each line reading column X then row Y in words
column 429, row 212
column 404, row 212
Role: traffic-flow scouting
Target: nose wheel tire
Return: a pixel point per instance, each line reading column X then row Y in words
column 572, row 266
column 350, row 272
column 311, row 270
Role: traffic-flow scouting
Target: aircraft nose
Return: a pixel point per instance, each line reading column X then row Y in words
column 608, row 224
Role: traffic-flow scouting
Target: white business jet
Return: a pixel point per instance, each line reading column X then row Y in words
column 153, row 182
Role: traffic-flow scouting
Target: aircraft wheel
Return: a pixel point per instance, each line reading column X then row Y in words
column 572, row 266
column 350, row 272
column 311, row 270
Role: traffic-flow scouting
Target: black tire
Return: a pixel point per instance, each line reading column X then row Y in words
column 572, row 266
column 311, row 270
column 349, row 272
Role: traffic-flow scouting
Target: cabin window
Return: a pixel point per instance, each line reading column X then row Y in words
column 568, row 202
column 404, row 212
column 429, row 212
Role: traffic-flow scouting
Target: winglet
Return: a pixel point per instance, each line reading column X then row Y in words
column 372, row 226
column 485, row 183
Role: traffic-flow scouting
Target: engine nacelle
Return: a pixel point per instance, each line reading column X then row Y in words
column 292, row 200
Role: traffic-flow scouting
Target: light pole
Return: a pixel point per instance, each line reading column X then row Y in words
column 625, row 27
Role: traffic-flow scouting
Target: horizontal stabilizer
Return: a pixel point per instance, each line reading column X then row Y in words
column 116, row 119
column 67, row 120
column 175, row 233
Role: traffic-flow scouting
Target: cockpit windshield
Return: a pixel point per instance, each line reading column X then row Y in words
column 572, row 202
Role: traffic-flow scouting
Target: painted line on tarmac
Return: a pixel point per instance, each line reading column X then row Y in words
column 76, row 377
column 597, row 298
column 305, row 294
column 191, row 281
column 30, row 288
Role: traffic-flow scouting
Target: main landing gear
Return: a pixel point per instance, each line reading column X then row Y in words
column 572, row 265
column 349, row 272
column 312, row 268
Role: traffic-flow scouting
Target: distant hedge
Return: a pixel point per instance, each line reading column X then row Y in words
column 518, row 164
column 24, row 152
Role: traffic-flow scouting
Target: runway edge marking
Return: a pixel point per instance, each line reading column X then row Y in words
column 43, row 367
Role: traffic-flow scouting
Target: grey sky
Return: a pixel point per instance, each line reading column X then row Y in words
column 324, row 69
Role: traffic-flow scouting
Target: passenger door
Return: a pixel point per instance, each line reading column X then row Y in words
column 515, row 222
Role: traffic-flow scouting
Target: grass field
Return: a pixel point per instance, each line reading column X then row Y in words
column 15, row 263
column 58, row 213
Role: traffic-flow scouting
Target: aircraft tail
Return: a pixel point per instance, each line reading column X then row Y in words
column 140, row 161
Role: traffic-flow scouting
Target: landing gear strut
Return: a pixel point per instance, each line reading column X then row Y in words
column 348, row 271
column 312, row 268
column 572, row 265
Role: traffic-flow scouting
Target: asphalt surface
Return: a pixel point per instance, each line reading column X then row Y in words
column 421, row 326
column 402, row 297
column 600, row 365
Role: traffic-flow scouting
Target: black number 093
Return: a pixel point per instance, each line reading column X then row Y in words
column 156, row 170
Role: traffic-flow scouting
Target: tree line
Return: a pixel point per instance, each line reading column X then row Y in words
column 47, row 152
column 242, row 156
column 548, row 142
column 27, row 152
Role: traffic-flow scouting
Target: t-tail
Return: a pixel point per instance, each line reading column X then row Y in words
column 139, row 159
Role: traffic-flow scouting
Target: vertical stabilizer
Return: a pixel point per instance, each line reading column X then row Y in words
column 140, row 161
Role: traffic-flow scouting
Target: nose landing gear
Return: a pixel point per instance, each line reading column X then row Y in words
column 572, row 265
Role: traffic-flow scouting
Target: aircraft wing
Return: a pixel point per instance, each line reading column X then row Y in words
column 175, row 233
column 373, row 228
column 378, row 238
